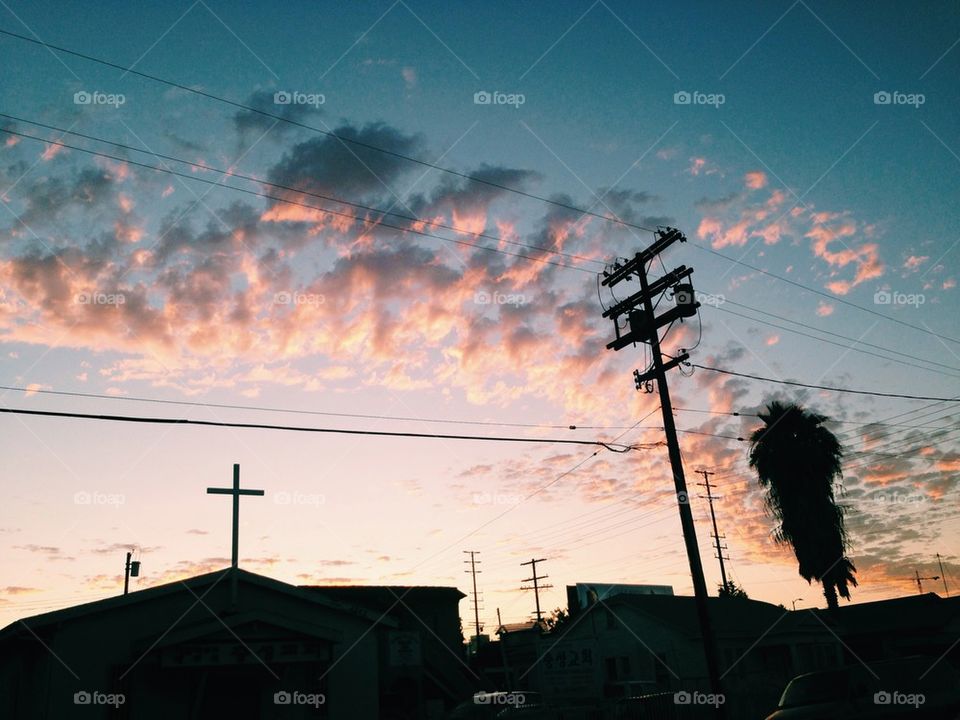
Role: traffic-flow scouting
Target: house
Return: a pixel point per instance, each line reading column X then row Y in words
column 426, row 665
column 236, row 644
column 629, row 644
column 912, row 625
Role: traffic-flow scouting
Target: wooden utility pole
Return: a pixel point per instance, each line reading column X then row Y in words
column 943, row 575
column 921, row 579
column 476, row 605
column 644, row 325
column 716, row 533
column 535, row 579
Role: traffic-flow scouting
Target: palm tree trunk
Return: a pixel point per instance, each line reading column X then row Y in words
column 830, row 593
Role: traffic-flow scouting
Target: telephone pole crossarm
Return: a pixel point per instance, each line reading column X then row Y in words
column 535, row 579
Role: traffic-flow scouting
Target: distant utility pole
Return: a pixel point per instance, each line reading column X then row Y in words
column 716, row 534
column 130, row 569
column 920, row 579
column 643, row 327
column 943, row 575
column 476, row 605
column 535, row 579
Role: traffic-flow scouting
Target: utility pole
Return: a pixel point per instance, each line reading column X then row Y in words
column 476, row 605
column 943, row 575
column 919, row 579
column 644, row 324
column 130, row 568
column 535, row 580
column 716, row 534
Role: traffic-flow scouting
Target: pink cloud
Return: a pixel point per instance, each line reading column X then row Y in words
column 865, row 257
column 914, row 262
column 51, row 152
column 755, row 180
column 697, row 164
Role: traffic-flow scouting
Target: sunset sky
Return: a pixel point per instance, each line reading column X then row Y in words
column 122, row 281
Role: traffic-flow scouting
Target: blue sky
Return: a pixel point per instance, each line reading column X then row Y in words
column 798, row 171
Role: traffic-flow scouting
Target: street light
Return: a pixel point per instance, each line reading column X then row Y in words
column 794, row 602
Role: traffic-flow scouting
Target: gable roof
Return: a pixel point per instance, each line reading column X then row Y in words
column 76, row 612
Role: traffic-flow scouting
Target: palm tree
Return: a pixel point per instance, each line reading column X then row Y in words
column 797, row 461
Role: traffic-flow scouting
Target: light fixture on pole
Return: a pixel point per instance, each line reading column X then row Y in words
column 131, row 569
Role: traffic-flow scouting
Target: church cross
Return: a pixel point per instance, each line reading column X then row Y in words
column 236, row 492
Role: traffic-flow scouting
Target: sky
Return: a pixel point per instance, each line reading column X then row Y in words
column 808, row 151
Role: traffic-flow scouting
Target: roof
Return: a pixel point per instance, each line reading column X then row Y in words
column 140, row 596
column 728, row 616
column 520, row 627
column 384, row 597
column 911, row 612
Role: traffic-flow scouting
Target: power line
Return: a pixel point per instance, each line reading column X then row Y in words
column 823, row 387
column 410, row 418
column 615, row 447
column 542, row 488
column 833, row 420
column 217, row 183
column 852, row 348
column 227, row 406
column 309, row 193
column 473, row 178
column 815, row 291
column 329, row 133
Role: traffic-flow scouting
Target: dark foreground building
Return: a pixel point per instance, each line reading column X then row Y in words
column 234, row 644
